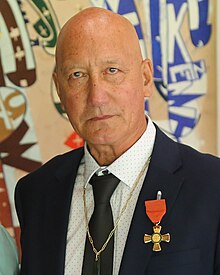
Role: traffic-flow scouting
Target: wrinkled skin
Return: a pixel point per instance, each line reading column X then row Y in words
column 102, row 81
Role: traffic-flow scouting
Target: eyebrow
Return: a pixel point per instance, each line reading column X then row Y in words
column 66, row 68
column 107, row 61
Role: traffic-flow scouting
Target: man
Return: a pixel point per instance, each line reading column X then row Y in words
column 9, row 262
column 102, row 82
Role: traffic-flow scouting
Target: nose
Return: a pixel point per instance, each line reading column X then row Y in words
column 97, row 92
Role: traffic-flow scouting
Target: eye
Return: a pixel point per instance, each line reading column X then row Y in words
column 76, row 75
column 112, row 70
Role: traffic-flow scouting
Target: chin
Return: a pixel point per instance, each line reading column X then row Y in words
column 102, row 139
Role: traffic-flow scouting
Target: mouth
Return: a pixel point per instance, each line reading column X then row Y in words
column 100, row 118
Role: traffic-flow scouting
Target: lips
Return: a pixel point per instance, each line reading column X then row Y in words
column 102, row 117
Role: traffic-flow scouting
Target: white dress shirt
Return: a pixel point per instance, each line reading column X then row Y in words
column 127, row 168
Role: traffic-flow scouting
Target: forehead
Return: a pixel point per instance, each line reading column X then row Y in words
column 98, row 39
column 100, row 48
column 101, row 38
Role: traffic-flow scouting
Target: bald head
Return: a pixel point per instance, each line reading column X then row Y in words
column 98, row 25
column 102, row 81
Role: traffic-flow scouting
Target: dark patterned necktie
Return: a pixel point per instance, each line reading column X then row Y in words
column 100, row 225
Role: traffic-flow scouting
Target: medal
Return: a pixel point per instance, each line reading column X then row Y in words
column 155, row 210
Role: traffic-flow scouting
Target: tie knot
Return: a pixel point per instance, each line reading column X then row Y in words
column 103, row 187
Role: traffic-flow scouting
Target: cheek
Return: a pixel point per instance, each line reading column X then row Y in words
column 133, row 104
column 133, row 95
column 71, row 104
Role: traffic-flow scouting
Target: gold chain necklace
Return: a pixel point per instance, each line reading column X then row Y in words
column 97, row 253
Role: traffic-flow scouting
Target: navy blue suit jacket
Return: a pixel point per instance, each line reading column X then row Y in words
column 190, row 183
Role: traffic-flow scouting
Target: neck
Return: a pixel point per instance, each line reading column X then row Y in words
column 105, row 154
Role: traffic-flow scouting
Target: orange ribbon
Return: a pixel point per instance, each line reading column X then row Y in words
column 155, row 210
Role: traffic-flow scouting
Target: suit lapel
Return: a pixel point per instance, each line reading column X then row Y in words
column 57, row 207
column 162, row 175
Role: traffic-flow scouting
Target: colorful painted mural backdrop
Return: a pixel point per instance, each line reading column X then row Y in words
column 178, row 35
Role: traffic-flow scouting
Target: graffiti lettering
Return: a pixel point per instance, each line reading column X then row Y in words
column 18, row 68
column 187, row 71
column 45, row 25
column 12, row 110
column 173, row 65
column 13, row 149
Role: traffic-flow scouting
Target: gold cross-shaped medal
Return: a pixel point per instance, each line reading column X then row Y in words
column 156, row 238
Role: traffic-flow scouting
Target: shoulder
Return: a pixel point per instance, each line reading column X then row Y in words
column 199, row 159
column 175, row 156
column 71, row 156
column 186, row 152
column 167, row 146
column 65, row 163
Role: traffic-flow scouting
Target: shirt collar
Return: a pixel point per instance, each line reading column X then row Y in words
column 128, row 166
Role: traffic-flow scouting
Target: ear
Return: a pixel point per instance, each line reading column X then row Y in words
column 147, row 72
column 55, row 79
column 56, row 82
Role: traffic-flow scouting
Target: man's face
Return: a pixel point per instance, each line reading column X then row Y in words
column 102, row 84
